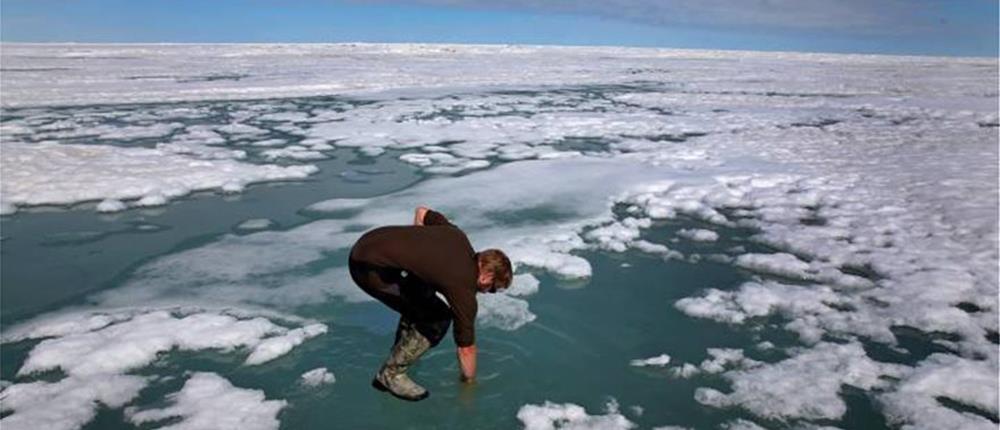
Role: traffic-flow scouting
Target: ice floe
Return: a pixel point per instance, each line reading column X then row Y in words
column 209, row 401
column 660, row 360
column 804, row 386
column 318, row 376
column 551, row 416
column 255, row 224
column 699, row 235
column 60, row 174
column 66, row 404
column 96, row 352
column 916, row 403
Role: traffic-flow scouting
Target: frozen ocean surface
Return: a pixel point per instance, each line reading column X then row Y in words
column 703, row 239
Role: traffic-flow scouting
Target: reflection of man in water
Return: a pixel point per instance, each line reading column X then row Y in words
column 403, row 267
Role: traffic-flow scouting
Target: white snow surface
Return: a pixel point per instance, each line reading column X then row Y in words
column 50, row 173
column 133, row 73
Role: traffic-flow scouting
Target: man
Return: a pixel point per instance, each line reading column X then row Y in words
column 403, row 267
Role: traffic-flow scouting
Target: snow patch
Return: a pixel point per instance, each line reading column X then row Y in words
column 209, row 401
column 551, row 416
column 48, row 173
column 805, row 386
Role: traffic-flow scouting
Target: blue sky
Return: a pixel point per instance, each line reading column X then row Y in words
column 931, row 27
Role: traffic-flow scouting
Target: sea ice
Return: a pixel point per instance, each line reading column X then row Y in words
column 66, row 404
column 699, row 235
column 209, row 401
column 60, row 174
column 255, row 224
column 859, row 180
column 318, row 376
column 95, row 351
column 916, row 402
column 551, row 416
column 660, row 360
column 503, row 311
column 741, row 424
column 806, row 385
column 276, row 346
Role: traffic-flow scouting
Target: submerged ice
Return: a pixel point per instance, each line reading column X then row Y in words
column 869, row 201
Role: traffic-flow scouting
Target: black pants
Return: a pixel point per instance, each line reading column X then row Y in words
column 415, row 301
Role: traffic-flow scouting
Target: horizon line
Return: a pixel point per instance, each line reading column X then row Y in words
column 538, row 45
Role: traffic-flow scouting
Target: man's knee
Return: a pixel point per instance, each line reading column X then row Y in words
column 434, row 331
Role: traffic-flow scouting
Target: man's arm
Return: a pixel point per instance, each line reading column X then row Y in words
column 467, row 362
column 464, row 308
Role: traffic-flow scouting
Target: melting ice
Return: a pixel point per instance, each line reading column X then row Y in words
column 710, row 239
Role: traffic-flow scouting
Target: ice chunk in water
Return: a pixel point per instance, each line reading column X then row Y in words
column 209, row 401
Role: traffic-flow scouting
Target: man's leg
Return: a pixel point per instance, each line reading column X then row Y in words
column 431, row 316
column 392, row 377
column 423, row 324
column 410, row 344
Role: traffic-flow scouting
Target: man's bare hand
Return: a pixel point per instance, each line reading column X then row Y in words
column 419, row 214
column 467, row 363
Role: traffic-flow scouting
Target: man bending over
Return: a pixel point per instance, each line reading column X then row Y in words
column 403, row 267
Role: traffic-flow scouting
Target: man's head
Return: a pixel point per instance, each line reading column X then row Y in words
column 495, row 271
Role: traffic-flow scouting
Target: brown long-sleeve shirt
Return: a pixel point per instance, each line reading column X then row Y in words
column 438, row 254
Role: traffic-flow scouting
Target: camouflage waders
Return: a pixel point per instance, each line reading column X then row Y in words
column 410, row 345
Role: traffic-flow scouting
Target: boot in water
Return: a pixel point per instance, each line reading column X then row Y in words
column 392, row 376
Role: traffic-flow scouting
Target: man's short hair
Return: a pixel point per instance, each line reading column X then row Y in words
column 495, row 261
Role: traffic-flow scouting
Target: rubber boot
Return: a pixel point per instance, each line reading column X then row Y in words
column 392, row 376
